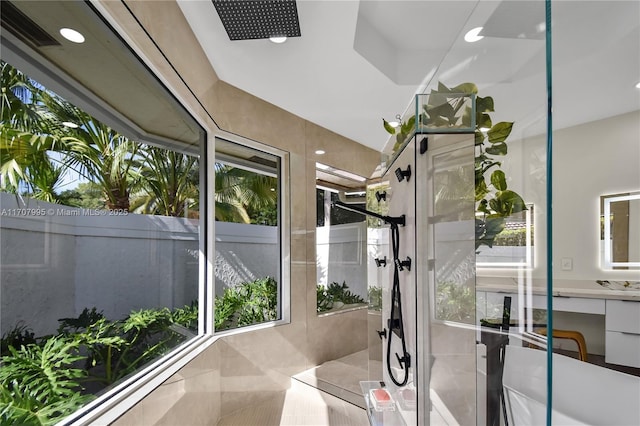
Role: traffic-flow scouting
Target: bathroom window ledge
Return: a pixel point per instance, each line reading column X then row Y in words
column 113, row 404
column 344, row 309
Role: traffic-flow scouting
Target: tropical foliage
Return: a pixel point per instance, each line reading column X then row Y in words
column 335, row 295
column 246, row 304
column 42, row 379
column 243, row 196
column 447, row 108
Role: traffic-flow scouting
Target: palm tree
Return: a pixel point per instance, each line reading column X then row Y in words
column 169, row 183
column 237, row 191
column 27, row 132
column 32, row 127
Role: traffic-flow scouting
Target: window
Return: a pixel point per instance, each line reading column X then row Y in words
column 250, row 268
column 101, row 219
column 100, row 237
column 341, row 241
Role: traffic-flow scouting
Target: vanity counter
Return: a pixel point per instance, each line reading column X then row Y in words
column 620, row 308
column 598, row 292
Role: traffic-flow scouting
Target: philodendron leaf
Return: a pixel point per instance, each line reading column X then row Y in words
column 479, row 137
column 482, row 207
column 484, row 104
column 483, row 120
column 512, row 199
column 507, row 203
column 388, row 127
column 498, row 180
column 465, row 88
column 500, row 132
column 409, row 125
column 466, row 117
column 442, row 110
column 499, row 148
column 442, row 88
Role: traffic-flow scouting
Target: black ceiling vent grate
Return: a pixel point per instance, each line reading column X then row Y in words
column 257, row 19
column 20, row 25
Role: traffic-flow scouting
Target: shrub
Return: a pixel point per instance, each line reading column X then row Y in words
column 334, row 292
column 39, row 384
column 246, row 304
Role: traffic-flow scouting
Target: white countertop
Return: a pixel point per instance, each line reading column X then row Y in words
column 595, row 292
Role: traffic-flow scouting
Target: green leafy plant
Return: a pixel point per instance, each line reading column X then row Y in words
column 455, row 302
column 19, row 335
column 186, row 316
column 334, row 292
column 39, row 384
column 375, row 298
column 117, row 348
column 41, row 381
column 447, row 108
column 246, row 304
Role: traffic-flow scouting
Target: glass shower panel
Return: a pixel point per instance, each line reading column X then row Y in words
column 596, row 153
column 446, row 280
column 506, row 71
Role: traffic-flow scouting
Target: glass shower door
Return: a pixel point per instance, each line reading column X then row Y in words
column 446, row 281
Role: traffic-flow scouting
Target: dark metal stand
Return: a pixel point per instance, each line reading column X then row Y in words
column 495, row 336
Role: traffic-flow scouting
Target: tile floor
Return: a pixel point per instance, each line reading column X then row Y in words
column 301, row 405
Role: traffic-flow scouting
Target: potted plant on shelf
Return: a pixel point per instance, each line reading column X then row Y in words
column 449, row 108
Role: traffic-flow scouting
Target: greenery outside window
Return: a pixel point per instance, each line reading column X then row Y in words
column 102, row 221
column 99, row 264
column 250, row 271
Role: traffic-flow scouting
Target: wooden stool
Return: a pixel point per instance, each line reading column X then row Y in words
column 576, row 336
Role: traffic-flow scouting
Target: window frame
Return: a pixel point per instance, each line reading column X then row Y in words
column 109, row 406
column 284, row 229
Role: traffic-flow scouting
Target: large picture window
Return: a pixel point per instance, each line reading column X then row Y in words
column 99, row 261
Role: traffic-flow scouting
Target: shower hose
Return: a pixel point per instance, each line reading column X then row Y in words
column 396, row 303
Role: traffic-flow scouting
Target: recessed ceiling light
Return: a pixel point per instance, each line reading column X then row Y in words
column 319, row 151
column 638, row 85
column 472, row 35
column 278, row 39
column 72, row 35
column 70, row 124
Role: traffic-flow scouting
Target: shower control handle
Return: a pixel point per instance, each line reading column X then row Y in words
column 401, row 264
column 382, row 333
column 405, row 361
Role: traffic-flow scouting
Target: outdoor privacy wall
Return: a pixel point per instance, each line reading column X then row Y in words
column 59, row 260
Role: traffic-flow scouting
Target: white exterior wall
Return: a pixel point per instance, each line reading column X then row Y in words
column 56, row 264
column 341, row 256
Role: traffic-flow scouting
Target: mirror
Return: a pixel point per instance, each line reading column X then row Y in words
column 620, row 231
column 341, row 241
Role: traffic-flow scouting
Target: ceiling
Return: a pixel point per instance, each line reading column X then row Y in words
column 98, row 75
column 359, row 61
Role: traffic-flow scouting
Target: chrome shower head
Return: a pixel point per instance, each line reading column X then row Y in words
column 401, row 174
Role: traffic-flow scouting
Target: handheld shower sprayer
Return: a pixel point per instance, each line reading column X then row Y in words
column 395, row 322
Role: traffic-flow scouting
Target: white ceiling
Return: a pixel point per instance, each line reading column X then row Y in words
column 359, row 61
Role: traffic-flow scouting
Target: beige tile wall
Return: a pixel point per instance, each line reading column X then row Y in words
column 248, row 367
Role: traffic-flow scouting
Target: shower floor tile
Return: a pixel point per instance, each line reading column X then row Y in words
column 301, row 405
